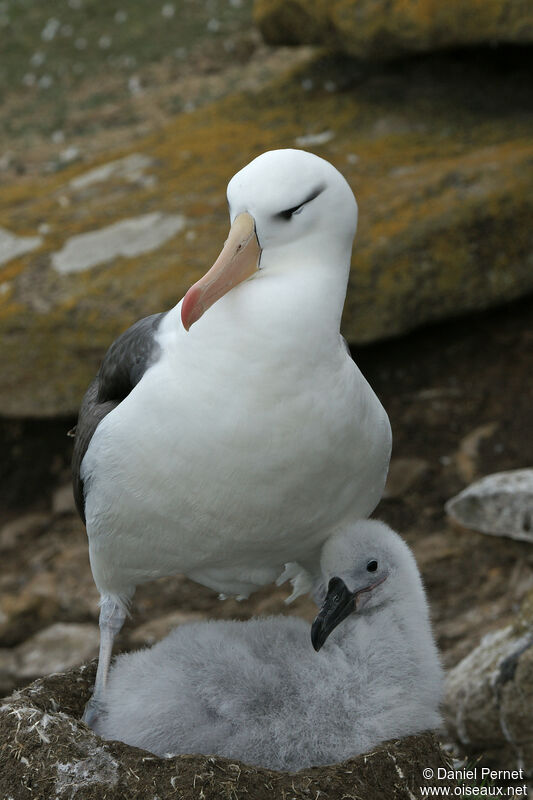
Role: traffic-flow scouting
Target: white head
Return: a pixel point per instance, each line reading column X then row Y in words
column 364, row 567
column 294, row 196
column 288, row 208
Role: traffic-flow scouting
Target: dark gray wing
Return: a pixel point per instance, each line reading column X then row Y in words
column 123, row 366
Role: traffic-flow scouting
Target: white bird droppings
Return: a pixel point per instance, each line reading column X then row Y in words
column 12, row 246
column 314, row 139
column 130, row 169
column 99, row 768
column 127, row 238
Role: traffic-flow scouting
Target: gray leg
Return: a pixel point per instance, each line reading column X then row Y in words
column 112, row 616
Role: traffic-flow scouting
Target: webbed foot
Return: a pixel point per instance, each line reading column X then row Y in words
column 93, row 711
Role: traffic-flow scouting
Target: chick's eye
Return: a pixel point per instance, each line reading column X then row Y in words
column 372, row 566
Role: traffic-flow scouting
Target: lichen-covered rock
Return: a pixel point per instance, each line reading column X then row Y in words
column 489, row 696
column 47, row 752
column 441, row 167
column 499, row 504
column 381, row 29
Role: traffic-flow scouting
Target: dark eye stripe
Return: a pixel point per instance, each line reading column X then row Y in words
column 287, row 214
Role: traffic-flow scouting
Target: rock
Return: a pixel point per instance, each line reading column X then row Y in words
column 47, row 746
column 435, row 548
column 433, row 408
column 380, row 30
column 45, row 578
column 275, row 602
column 8, row 670
column 28, row 609
column 12, row 532
column 441, row 168
column 489, row 694
column 156, row 629
column 56, row 648
column 500, row 504
column 74, row 583
column 63, row 500
column 466, row 458
column 403, row 475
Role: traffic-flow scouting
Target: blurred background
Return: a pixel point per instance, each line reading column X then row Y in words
column 120, row 126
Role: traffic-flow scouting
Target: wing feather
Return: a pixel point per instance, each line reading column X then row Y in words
column 122, row 368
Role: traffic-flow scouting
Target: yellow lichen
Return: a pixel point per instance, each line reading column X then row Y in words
column 443, row 184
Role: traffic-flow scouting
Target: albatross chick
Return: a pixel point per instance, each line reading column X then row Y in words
column 257, row 691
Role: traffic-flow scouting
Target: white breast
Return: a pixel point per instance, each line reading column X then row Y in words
column 225, row 465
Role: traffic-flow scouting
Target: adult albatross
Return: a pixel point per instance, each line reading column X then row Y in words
column 228, row 438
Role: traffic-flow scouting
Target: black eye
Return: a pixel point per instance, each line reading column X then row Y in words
column 372, row 566
column 290, row 211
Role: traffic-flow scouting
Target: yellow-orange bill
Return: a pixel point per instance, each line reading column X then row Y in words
column 238, row 260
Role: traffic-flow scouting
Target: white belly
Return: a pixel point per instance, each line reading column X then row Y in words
column 227, row 476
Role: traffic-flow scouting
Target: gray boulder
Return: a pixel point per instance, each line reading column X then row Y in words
column 500, row 504
column 489, row 696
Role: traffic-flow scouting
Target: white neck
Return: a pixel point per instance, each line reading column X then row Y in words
column 405, row 615
column 292, row 305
